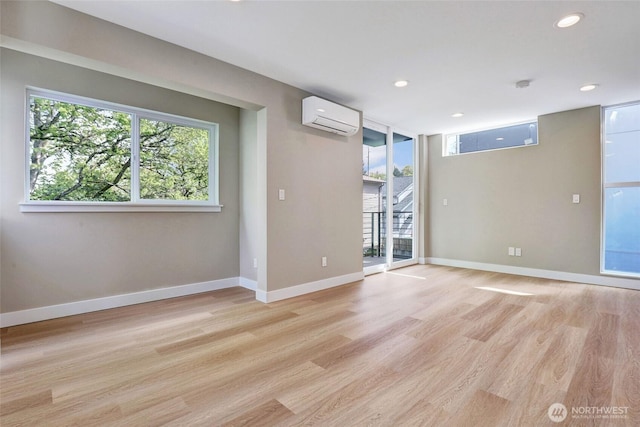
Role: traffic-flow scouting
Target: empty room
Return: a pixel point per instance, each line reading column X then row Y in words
column 331, row 213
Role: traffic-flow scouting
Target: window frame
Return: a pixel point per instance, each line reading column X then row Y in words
column 604, row 185
column 506, row 125
column 136, row 204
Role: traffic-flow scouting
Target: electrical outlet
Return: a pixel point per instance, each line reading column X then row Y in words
column 512, row 251
column 518, row 251
column 324, row 261
column 445, row 202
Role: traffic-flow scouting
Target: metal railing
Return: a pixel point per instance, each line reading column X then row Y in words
column 374, row 232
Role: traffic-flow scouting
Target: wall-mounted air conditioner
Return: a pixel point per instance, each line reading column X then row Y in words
column 322, row 114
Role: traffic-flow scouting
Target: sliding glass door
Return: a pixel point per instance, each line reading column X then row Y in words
column 389, row 191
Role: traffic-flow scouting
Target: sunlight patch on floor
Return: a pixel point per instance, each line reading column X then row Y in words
column 504, row 291
column 406, row 275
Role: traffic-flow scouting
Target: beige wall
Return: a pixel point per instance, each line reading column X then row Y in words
column 423, row 199
column 53, row 258
column 319, row 171
column 248, row 181
column 522, row 197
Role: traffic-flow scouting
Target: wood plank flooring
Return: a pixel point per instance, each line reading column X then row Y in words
column 422, row 346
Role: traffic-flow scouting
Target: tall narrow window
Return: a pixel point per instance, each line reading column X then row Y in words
column 621, row 190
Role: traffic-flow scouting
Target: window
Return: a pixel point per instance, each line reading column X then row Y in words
column 621, row 190
column 84, row 152
column 517, row 135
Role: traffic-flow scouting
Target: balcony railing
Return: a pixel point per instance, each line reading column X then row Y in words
column 374, row 232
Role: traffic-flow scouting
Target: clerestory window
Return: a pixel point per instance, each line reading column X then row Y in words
column 517, row 135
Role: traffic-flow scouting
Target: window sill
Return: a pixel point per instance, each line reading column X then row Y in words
column 115, row 207
column 623, row 274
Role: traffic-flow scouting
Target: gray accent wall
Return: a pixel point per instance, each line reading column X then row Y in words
column 521, row 197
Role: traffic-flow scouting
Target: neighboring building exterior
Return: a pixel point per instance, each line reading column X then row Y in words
column 374, row 203
column 372, row 191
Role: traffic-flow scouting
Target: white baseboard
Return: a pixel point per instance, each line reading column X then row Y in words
column 618, row 282
column 86, row 306
column 78, row 307
column 252, row 285
column 307, row 288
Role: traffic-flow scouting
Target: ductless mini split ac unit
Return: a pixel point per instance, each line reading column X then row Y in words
column 322, row 114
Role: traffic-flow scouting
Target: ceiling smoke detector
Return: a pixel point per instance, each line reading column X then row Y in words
column 522, row 84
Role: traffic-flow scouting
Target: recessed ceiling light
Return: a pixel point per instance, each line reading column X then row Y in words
column 587, row 88
column 499, row 138
column 401, row 83
column 457, row 115
column 569, row 20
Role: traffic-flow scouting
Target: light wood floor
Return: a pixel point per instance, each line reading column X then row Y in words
column 417, row 346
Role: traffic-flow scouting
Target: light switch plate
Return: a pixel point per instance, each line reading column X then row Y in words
column 281, row 194
column 576, row 198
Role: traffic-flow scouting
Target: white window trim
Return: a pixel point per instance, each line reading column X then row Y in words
column 38, row 206
column 136, row 204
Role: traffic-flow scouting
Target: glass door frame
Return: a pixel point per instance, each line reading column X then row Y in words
column 390, row 264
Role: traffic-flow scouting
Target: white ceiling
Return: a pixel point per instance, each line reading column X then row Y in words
column 458, row 56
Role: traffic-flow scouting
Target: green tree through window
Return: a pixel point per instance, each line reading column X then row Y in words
column 86, row 153
column 173, row 161
column 79, row 153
